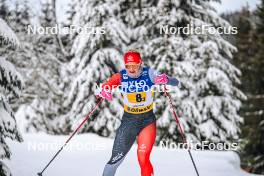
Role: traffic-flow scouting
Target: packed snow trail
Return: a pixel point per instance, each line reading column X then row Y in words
column 87, row 154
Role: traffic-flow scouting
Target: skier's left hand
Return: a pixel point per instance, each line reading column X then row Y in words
column 161, row 79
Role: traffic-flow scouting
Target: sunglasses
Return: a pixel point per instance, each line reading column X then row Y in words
column 132, row 66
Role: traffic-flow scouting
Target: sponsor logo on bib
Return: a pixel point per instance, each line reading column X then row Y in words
column 138, row 110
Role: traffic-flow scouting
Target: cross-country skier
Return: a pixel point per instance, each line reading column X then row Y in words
column 138, row 119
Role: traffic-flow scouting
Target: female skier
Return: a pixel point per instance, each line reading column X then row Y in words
column 138, row 119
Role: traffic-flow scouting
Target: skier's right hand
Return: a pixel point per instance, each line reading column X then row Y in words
column 104, row 94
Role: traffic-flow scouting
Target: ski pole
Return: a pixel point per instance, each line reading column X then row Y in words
column 77, row 129
column 180, row 129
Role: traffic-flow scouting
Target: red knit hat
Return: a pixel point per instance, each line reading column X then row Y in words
column 132, row 56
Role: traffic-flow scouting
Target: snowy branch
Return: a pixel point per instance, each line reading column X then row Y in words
column 256, row 113
column 7, row 34
column 260, row 96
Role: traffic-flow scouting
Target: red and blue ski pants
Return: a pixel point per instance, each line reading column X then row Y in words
column 142, row 127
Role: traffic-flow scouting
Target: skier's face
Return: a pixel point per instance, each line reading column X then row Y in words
column 133, row 69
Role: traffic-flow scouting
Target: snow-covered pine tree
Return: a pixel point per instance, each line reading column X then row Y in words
column 252, row 48
column 43, row 109
column 97, row 55
column 23, row 57
column 10, row 85
column 208, row 101
column 18, row 20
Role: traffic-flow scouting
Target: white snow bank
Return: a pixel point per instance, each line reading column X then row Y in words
column 87, row 154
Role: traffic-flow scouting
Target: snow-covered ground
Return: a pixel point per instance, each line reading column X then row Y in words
column 87, row 154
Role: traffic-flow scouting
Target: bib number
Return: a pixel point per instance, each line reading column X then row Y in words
column 137, row 97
